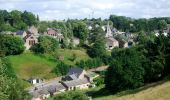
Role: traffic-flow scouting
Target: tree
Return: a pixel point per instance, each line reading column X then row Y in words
column 98, row 49
column 125, row 70
column 29, row 18
column 162, row 24
column 61, row 69
column 72, row 95
column 46, row 45
column 11, row 45
column 80, row 30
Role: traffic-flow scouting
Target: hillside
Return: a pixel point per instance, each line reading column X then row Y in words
column 155, row 91
column 28, row 65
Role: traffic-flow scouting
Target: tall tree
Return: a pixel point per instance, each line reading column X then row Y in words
column 125, row 70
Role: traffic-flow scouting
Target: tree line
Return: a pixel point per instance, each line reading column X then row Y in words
column 16, row 20
column 128, row 24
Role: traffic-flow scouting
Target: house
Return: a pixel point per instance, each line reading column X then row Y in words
column 75, row 73
column 21, row 33
column 30, row 40
column 56, row 88
column 53, row 33
column 91, row 76
column 122, row 42
column 76, row 84
column 33, row 30
column 111, row 43
column 35, row 80
column 40, row 94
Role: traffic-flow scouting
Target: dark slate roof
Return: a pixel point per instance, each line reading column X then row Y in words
column 20, row 32
column 52, row 88
column 55, row 88
column 59, row 87
column 76, row 71
column 37, row 93
column 44, row 91
column 73, row 76
column 76, row 82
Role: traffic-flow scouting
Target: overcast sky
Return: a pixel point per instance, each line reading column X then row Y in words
column 63, row 9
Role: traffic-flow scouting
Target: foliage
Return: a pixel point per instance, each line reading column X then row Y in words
column 8, row 84
column 61, row 69
column 147, row 62
column 135, row 25
column 80, row 30
column 99, row 81
column 125, row 70
column 10, row 45
column 46, row 45
column 90, row 63
column 16, row 20
column 72, row 95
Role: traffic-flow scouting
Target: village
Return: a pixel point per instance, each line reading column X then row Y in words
column 30, row 36
column 76, row 79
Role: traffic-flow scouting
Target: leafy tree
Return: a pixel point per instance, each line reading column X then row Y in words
column 80, row 30
column 11, row 45
column 61, row 69
column 98, row 49
column 162, row 24
column 29, row 18
column 125, row 70
column 43, row 25
column 46, row 45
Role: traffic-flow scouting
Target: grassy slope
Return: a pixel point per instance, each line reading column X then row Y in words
column 29, row 65
column 80, row 55
column 156, row 91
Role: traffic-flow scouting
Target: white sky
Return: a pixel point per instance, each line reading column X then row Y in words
column 63, row 9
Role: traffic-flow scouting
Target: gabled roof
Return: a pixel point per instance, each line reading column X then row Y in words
column 73, row 76
column 76, row 71
column 75, row 82
column 112, row 39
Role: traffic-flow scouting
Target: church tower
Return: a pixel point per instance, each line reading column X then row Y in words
column 108, row 31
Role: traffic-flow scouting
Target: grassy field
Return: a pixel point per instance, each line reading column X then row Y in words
column 68, row 54
column 28, row 65
column 155, row 91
